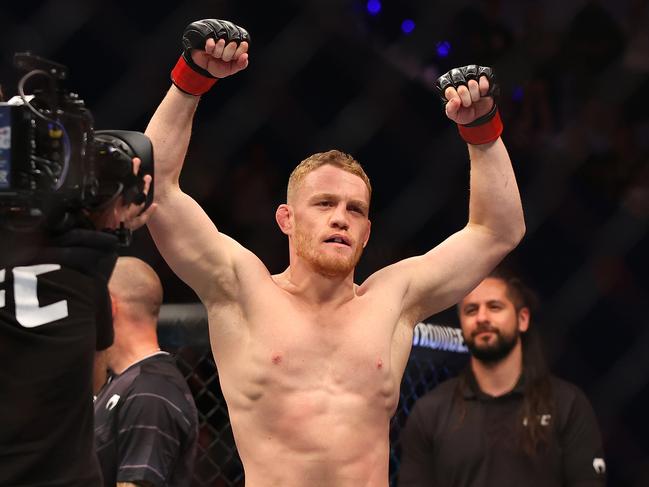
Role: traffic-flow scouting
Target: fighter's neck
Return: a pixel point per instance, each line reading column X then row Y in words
column 316, row 288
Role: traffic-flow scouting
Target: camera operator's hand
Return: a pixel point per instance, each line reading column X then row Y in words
column 131, row 214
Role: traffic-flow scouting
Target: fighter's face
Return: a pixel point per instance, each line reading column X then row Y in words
column 491, row 326
column 331, row 220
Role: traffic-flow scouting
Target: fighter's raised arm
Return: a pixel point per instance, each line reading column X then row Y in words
column 184, row 234
column 442, row 276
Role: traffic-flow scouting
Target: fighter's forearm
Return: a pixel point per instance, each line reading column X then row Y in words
column 170, row 131
column 495, row 203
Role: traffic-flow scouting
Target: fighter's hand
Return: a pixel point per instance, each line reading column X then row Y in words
column 468, row 93
column 221, row 59
column 467, row 103
column 212, row 49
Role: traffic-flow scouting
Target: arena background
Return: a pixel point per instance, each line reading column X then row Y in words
column 353, row 75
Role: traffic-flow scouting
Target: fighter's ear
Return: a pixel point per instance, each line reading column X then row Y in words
column 283, row 216
column 367, row 233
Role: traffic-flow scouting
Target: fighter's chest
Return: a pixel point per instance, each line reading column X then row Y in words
column 346, row 350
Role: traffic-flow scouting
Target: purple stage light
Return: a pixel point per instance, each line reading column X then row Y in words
column 518, row 93
column 373, row 6
column 443, row 48
column 407, row 26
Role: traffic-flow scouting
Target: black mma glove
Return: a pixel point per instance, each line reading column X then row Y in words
column 187, row 75
column 486, row 128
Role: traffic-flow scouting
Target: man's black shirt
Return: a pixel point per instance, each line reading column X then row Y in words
column 146, row 425
column 442, row 446
column 54, row 314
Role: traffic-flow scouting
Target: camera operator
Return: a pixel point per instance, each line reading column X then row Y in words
column 54, row 314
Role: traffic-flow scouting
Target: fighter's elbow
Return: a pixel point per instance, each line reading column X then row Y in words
column 515, row 233
column 507, row 236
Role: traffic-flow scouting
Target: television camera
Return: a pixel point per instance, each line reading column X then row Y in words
column 55, row 169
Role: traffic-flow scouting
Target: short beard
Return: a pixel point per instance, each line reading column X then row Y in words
column 325, row 265
column 493, row 353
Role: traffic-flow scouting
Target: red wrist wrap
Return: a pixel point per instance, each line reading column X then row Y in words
column 188, row 80
column 483, row 133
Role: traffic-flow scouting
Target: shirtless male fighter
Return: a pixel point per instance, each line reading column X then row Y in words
column 309, row 362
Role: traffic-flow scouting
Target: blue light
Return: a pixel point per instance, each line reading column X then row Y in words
column 443, row 48
column 373, row 6
column 517, row 94
column 407, row 26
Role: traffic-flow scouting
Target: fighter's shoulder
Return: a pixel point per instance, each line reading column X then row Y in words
column 393, row 278
column 245, row 261
column 237, row 275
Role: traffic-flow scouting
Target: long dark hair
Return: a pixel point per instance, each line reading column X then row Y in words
column 537, row 395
